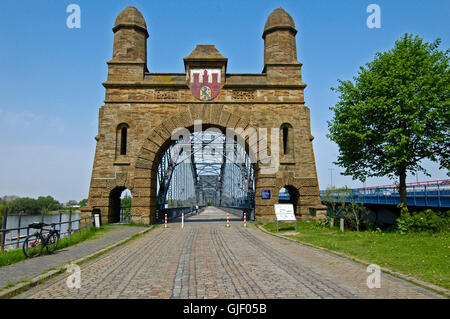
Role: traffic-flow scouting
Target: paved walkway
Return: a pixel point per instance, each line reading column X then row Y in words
column 30, row 268
column 208, row 260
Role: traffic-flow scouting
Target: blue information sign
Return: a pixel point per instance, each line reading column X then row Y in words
column 265, row 194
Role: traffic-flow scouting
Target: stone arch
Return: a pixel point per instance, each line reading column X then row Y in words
column 294, row 197
column 114, row 188
column 159, row 140
column 294, row 187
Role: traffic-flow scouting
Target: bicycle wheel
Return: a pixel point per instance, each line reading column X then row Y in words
column 32, row 246
column 52, row 242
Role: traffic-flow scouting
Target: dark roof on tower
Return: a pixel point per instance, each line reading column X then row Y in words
column 202, row 52
column 130, row 17
column 279, row 19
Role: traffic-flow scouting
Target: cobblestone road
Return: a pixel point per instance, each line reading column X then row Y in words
column 30, row 268
column 208, row 260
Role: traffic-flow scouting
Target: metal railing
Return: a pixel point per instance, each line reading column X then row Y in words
column 427, row 194
column 125, row 214
column 173, row 213
column 239, row 212
column 14, row 242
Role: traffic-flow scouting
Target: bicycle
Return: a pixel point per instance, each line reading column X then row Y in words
column 35, row 243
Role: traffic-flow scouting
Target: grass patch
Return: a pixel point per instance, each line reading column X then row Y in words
column 13, row 256
column 134, row 224
column 423, row 255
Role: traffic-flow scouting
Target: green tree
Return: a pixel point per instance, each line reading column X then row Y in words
column 125, row 201
column 24, row 205
column 396, row 114
column 48, row 204
column 353, row 211
column 83, row 202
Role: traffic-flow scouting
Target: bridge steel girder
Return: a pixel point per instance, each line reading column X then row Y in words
column 195, row 174
column 222, row 171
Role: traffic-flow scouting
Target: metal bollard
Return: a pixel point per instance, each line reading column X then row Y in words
column 165, row 220
column 182, row 220
column 245, row 220
column 228, row 220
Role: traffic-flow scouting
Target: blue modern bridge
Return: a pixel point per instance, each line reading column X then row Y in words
column 423, row 194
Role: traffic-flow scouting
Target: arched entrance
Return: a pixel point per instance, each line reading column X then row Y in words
column 289, row 195
column 205, row 167
column 120, row 202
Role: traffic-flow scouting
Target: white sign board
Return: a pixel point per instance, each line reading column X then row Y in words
column 285, row 212
column 97, row 220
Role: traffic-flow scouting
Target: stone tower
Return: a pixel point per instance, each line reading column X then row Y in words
column 129, row 60
column 142, row 109
column 279, row 39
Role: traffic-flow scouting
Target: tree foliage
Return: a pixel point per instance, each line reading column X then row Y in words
column 395, row 114
column 125, row 201
column 24, row 205
column 83, row 202
column 48, row 204
column 33, row 206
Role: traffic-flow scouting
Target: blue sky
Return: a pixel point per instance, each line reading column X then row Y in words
column 50, row 75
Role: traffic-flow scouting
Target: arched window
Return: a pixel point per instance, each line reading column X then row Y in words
column 122, row 137
column 123, row 141
column 286, row 131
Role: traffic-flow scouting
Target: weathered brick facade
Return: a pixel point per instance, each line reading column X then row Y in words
column 152, row 105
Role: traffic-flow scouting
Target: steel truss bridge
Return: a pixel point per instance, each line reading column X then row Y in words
column 424, row 194
column 207, row 168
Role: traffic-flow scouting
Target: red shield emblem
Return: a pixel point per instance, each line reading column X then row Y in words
column 205, row 83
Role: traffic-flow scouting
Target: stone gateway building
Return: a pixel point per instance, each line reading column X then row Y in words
column 142, row 109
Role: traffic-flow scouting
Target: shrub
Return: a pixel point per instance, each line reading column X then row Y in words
column 428, row 220
column 354, row 214
column 323, row 222
column 369, row 225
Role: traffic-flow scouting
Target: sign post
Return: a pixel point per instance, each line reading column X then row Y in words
column 265, row 194
column 96, row 220
column 285, row 213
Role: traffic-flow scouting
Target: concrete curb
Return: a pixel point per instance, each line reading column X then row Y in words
column 24, row 286
column 436, row 289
